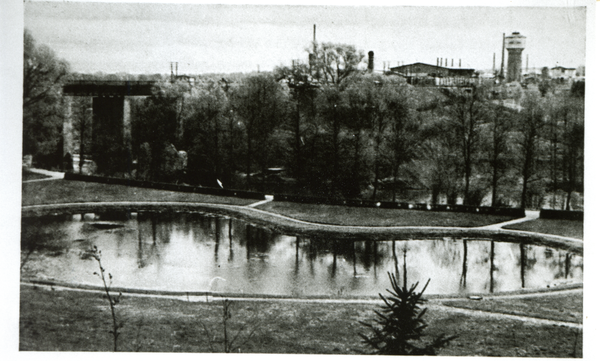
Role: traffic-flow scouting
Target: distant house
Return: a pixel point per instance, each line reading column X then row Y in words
column 190, row 79
column 559, row 72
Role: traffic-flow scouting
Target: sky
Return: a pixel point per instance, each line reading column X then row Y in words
column 145, row 38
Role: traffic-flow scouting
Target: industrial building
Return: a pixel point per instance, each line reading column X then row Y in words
column 434, row 75
column 424, row 70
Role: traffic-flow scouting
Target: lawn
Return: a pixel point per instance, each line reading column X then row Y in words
column 79, row 321
column 358, row 216
column 558, row 227
column 560, row 307
column 67, row 191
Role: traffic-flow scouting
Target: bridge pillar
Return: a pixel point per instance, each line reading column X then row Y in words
column 67, row 128
column 127, row 132
column 111, row 134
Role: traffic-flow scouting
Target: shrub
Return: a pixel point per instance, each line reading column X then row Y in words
column 399, row 326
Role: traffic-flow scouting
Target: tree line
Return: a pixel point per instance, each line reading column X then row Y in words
column 330, row 128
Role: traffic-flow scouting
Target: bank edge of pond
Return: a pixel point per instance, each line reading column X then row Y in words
column 207, row 295
column 286, row 225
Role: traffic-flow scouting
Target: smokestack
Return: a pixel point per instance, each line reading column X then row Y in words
column 446, row 62
column 370, row 65
column 452, row 64
column 459, row 63
column 527, row 64
column 502, row 63
column 314, row 32
column 494, row 64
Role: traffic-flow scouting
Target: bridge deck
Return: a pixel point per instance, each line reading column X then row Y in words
column 109, row 88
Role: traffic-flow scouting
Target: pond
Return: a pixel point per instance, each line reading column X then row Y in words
column 200, row 252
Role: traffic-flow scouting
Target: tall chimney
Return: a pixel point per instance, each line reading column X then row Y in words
column 314, row 32
column 452, row 64
column 502, row 63
column 494, row 64
column 370, row 65
column 446, row 62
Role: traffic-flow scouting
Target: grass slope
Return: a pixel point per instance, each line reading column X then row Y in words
column 358, row 216
column 79, row 321
column 558, row 227
column 559, row 307
column 66, row 191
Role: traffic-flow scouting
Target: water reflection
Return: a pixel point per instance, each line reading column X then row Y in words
column 188, row 252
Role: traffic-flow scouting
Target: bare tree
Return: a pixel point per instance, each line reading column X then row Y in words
column 335, row 62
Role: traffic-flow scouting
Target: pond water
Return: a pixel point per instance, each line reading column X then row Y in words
column 195, row 252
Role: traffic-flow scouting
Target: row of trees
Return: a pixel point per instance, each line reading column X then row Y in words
column 364, row 137
column 339, row 131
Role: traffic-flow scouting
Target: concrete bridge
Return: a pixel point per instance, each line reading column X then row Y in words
column 111, row 119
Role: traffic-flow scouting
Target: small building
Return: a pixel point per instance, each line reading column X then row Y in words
column 560, row 72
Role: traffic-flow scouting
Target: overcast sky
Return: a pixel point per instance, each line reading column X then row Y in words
column 145, row 38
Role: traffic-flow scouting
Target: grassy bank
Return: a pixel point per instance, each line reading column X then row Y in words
column 565, row 307
column 79, row 321
column 573, row 229
column 358, row 216
column 67, row 191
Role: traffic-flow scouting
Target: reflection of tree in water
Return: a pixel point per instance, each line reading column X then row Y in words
column 564, row 263
column 493, row 267
column 371, row 254
column 448, row 251
column 258, row 241
column 42, row 235
column 230, row 239
column 527, row 261
column 484, row 257
column 463, row 275
column 148, row 249
column 114, row 216
column 161, row 225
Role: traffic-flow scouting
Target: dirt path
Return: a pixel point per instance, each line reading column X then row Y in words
column 51, row 175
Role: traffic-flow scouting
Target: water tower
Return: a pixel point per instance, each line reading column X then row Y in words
column 514, row 44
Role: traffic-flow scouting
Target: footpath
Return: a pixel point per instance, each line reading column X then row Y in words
column 51, row 175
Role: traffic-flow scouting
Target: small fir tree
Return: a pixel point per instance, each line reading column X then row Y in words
column 399, row 326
